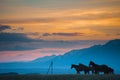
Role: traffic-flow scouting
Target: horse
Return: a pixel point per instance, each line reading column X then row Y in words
column 110, row 70
column 77, row 68
column 81, row 67
column 85, row 68
column 99, row 68
column 92, row 69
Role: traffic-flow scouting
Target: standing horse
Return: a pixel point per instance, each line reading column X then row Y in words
column 81, row 67
column 77, row 68
column 99, row 68
column 110, row 70
column 85, row 68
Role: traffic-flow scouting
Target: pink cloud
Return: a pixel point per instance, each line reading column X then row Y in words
column 10, row 56
column 28, row 55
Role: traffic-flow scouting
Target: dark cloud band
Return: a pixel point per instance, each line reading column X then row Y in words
column 63, row 34
column 4, row 27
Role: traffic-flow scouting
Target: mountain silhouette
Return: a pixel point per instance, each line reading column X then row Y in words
column 108, row 54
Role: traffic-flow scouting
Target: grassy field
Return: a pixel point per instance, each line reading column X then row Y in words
column 60, row 77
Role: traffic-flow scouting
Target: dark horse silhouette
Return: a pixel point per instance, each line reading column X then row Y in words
column 81, row 67
column 86, row 68
column 100, row 68
column 77, row 68
column 109, row 71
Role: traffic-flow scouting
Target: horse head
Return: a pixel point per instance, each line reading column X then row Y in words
column 91, row 63
column 110, row 70
column 72, row 66
column 80, row 64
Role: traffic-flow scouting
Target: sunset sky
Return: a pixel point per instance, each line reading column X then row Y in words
column 35, row 28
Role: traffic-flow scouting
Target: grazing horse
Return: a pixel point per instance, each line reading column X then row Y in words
column 99, row 68
column 77, row 68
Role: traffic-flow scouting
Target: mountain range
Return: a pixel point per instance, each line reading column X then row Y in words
column 108, row 54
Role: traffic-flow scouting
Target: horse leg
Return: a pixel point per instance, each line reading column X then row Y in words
column 112, row 72
column 106, row 72
column 85, row 72
column 96, row 72
column 78, row 72
column 88, row 72
column 93, row 72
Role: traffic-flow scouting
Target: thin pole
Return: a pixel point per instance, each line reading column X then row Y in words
column 50, row 68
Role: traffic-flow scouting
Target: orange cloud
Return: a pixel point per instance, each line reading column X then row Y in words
column 90, row 22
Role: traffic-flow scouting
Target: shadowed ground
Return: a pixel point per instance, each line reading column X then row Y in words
column 60, row 77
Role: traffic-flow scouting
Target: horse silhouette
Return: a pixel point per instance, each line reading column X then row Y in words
column 85, row 68
column 95, row 68
column 110, row 70
column 77, row 68
column 100, row 68
column 81, row 67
